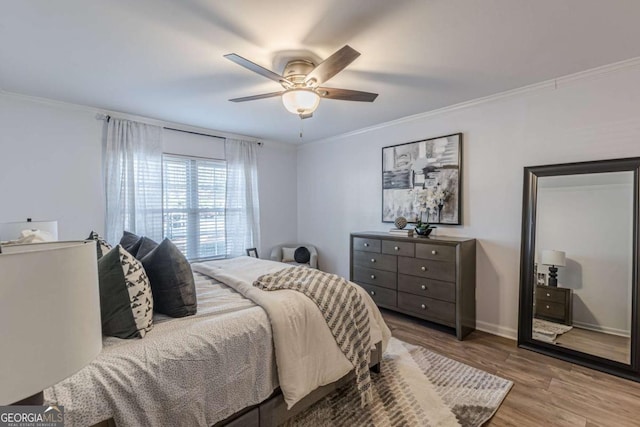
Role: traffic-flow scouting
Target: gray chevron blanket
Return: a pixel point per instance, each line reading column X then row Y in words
column 342, row 308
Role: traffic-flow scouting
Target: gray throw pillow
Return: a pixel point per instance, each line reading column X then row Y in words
column 128, row 241
column 144, row 246
column 172, row 282
column 302, row 255
column 126, row 302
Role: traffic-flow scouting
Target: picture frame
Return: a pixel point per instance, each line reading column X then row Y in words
column 252, row 252
column 422, row 180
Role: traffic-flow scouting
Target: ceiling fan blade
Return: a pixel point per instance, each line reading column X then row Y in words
column 346, row 94
column 252, row 66
column 254, row 97
column 331, row 66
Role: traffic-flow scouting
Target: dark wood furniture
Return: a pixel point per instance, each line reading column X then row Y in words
column 554, row 304
column 532, row 174
column 430, row 278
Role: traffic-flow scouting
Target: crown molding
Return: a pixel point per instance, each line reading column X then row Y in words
column 101, row 113
column 553, row 84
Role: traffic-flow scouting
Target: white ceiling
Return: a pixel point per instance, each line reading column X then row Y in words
column 163, row 58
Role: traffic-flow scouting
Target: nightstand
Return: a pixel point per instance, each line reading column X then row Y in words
column 554, row 304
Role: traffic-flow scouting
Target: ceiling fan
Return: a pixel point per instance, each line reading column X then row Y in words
column 301, row 81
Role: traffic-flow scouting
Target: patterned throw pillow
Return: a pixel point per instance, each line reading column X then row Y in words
column 172, row 283
column 102, row 247
column 126, row 302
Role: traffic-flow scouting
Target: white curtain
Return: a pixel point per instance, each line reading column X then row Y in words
column 242, row 218
column 133, row 179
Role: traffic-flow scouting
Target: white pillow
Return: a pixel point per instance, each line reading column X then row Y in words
column 288, row 254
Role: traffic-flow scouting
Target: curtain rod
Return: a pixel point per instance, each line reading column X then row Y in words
column 192, row 132
column 107, row 118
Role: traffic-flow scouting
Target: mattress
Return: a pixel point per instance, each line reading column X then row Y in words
column 192, row 371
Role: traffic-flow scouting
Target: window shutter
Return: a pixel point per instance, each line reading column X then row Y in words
column 194, row 205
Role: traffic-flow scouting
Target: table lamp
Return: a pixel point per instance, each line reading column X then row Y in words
column 10, row 231
column 553, row 259
column 49, row 316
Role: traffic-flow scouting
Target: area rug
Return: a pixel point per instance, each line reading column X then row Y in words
column 548, row 331
column 416, row 387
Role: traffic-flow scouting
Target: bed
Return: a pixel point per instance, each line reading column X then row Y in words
column 217, row 367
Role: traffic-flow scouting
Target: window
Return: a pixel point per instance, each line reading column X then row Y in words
column 193, row 198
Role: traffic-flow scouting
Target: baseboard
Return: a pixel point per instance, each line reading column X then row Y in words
column 498, row 330
column 603, row 329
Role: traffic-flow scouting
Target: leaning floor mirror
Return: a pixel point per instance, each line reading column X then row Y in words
column 579, row 264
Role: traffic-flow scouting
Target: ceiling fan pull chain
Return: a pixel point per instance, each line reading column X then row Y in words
column 301, row 128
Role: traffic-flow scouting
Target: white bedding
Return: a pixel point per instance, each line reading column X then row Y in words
column 192, row 371
column 307, row 355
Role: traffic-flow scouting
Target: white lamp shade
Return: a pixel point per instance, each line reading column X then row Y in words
column 300, row 101
column 49, row 315
column 551, row 257
column 12, row 230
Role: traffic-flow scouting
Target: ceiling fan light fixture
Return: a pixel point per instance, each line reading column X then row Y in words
column 300, row 101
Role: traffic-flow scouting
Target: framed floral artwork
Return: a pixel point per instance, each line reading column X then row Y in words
column 422, row 180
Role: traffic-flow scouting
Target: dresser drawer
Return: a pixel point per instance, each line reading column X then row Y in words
column 439, row 270
column 551, row 294
column 374, row 260
column 428, row 308
column 381, row 296
column 436, row 252
column 372, row 276
column 398, row 248
column 427, row 287
column 366, row 245
column 553, row 310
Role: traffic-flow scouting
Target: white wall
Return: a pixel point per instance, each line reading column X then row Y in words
column 51, row 168
column 591, row 222
column 587, row 117
column 277, row 184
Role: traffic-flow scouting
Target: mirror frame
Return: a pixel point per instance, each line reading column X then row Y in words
column 527, row 258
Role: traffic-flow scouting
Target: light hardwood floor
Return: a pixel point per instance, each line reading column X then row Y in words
column 546, row 391
column 604, row 345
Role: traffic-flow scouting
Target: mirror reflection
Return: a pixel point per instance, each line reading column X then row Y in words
column 584, row 263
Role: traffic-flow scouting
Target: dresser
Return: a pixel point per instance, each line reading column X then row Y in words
column 554, row 304
column 432, row 278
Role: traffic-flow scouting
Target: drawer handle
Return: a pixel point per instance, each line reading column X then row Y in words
column 547, row 307
column 548, row 294
column 423, row 268
column 423, row 287
column 373, row 260
column 373, row 276
column 366, row 245
column 422, row 306
column 434, row 252
column 395, row 248
column 372, row 292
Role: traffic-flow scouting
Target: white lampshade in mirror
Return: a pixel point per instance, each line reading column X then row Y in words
column 12, row 230
column 300, row 101
column 553, row 257
column 49, row 315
